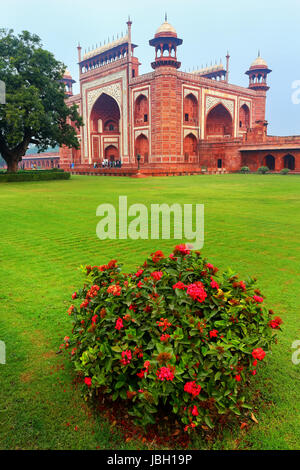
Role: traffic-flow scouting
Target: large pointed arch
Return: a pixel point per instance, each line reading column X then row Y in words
column 107, row 110
column 219, row 122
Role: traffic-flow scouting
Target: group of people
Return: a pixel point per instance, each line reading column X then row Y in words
column 109, row 164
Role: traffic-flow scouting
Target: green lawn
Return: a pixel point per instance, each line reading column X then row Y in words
column 48, row 229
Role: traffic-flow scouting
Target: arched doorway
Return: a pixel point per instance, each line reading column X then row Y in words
column 289, row 162
column 111, row 153
column 270, row 162
column 190, row 110
column 189, row 147
column 142, row 147
column 141, row 111
column 105, row 115
column 104, row 121
column 219, row 122
column 244, row 117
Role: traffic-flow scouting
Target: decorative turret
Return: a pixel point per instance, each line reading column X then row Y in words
column 258, row 73
column 165, row 42
column 68, row 81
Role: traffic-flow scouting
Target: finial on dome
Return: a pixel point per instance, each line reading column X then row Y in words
column 166, row 17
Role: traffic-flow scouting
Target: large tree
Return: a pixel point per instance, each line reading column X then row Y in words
column 35, row 110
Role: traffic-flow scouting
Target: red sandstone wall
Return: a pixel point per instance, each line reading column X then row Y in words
column 259, row 111
column 211, row 152
column 166, row 118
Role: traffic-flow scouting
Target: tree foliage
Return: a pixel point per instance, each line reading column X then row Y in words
column 35, row 110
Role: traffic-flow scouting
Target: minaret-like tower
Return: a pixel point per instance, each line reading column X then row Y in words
column 258, row 73
column 165, row 42
column 227, row 66
column 68, row 81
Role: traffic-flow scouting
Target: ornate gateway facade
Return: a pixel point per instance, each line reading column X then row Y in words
column 170, row 118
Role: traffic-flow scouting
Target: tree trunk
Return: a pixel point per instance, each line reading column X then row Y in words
column 12, row 166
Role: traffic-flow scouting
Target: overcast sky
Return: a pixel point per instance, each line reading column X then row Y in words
column 208, row 30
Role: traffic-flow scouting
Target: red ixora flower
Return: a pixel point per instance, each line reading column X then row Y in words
column 195, row 411
column 164, row 323
column 164, row 337
column 213, row 333
column 84, row 304
column 119, row 324
column 214, row 284
column 165, row 373
column 179, row 285
column 182, row 249
column 88, row 381
column 258, row 353
column 275, row 324
column 112, row 264
column 258, row 299
column 157, row 256
column 114, row 289
column 92, row 292
column 70, row 309
column 94, row 319
column 126, row 357
column 242, row 285
column 157, row 275
column 74, row 295
column 139, row 272
column 192, row 388
column 140, row 284
column 238, row 378
column 196, row 291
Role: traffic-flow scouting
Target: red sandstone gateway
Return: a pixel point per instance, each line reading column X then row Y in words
column 176, row 121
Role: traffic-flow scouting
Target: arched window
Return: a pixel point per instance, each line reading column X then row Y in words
column 219, row 122
column 289, row 162
column 111, row 126
column 111, row 153
column 190, row 110
column 141, row 111
column 270, row 162
column 142, row 147
column 244, row 117
column 189, row 146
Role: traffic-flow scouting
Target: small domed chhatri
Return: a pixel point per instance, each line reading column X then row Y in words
column 165, row 42
column 258, row 73
column 259, row 62
column 166, row 29
column 67, row 74
column 68, row 81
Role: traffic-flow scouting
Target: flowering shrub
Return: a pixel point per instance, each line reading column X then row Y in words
column 174, row 333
